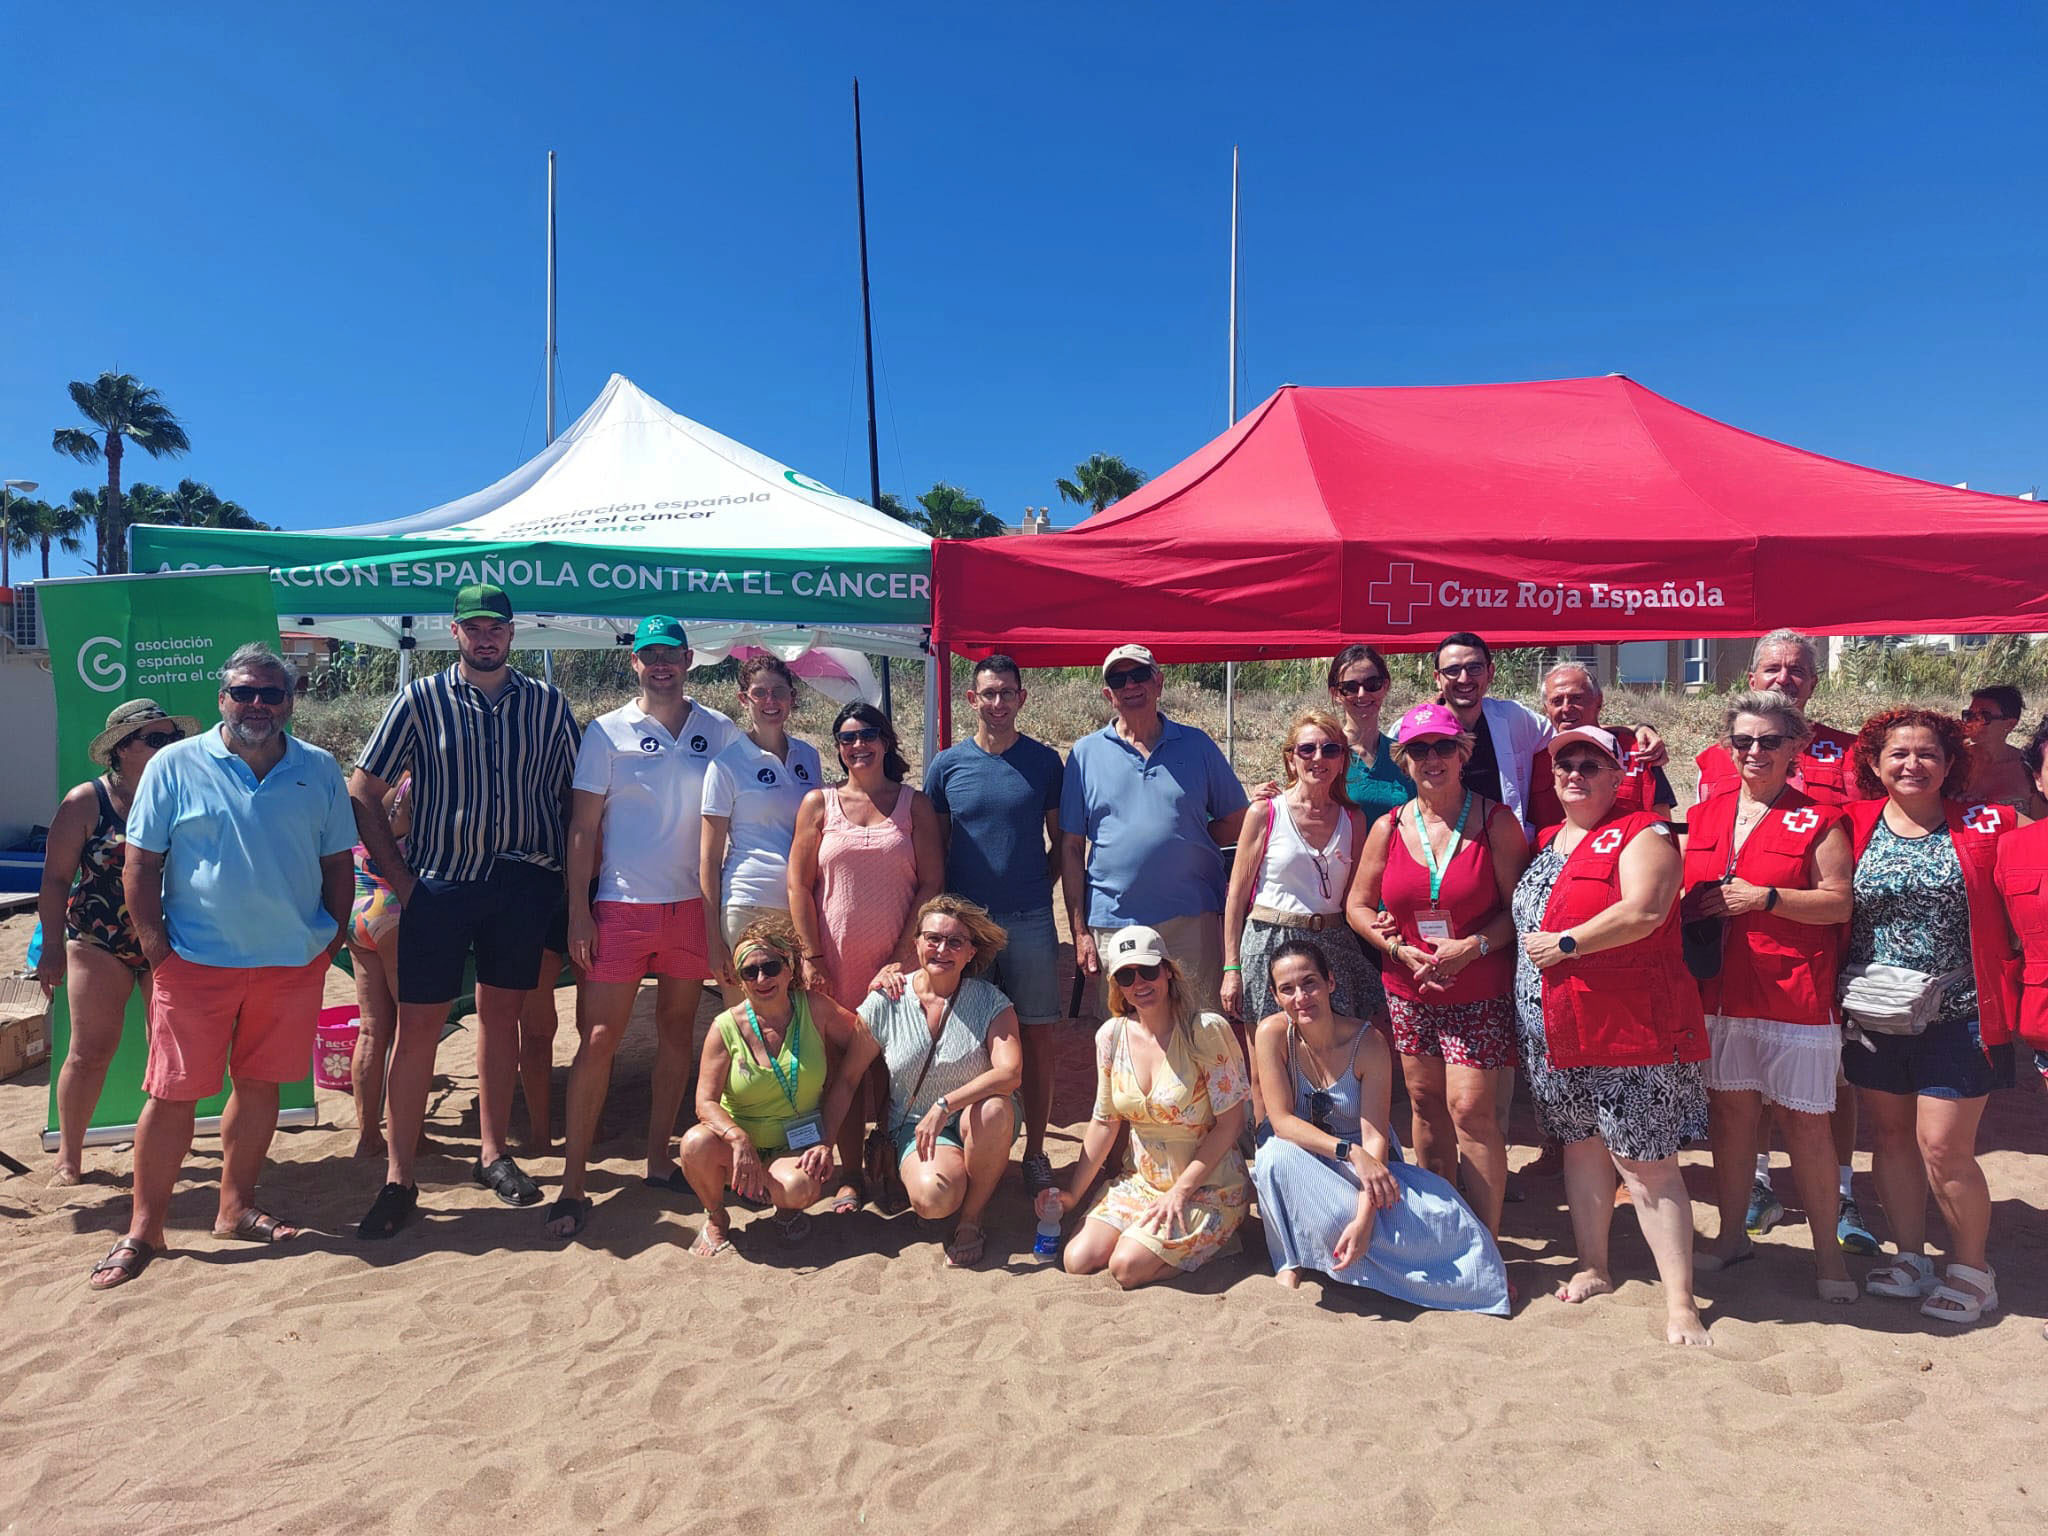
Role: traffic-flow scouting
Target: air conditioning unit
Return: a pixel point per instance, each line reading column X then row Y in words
column 25, row 622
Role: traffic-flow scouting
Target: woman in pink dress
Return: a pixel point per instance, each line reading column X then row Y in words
column 868, row 853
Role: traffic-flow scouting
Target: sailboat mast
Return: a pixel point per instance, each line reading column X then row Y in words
column 867, row 334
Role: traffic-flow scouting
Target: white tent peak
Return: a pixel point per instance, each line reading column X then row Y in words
column 629, row 471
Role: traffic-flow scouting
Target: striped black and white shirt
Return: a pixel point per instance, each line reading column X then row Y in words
column 488, row 777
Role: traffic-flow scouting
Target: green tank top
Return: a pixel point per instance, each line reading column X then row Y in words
column 754, row 1095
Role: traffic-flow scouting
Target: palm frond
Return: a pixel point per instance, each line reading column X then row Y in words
column 80, row 445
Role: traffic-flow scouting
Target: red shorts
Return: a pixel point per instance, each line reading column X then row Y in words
column 254, row 1023
column 648, row 938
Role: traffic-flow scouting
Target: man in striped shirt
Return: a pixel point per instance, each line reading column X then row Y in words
column 492, row 753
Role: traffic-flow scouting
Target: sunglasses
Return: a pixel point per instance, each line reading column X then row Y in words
column 767, row 695
column 1978, row 717
column 854, row 738
column 1584, row 767
column 1440, row 746
column 1130, row 973
column 1321, row 1106
column 1465, row 669
column 762, row 970
column 1130, row 677
column 947, row 940
column 154, row 739
column 242, row 693
column 1770, row 742
column 1309, row 751
column 1354, row 688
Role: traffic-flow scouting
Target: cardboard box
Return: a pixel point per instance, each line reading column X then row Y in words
column 24, row 1044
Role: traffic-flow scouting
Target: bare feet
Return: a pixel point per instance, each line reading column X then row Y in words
column 64, row 1177
column 1682, row 1325
column 1584, row 1286
column 1290, row 1279
column 370, row 1144
column 713, row 1240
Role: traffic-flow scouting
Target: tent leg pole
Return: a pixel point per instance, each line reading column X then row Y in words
column 938, row 701
column 887, row 705
column 547, row 666
column 405, row 644
column 1230, row 712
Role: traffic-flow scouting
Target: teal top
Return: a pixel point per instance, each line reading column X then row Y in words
column 1383, row 786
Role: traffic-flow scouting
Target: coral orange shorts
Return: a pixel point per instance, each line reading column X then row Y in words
column 254, row 1023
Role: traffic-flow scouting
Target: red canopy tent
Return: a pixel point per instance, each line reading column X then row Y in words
column 1574, row 510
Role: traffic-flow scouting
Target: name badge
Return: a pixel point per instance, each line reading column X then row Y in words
column 806, row 1131
column 1433, row 925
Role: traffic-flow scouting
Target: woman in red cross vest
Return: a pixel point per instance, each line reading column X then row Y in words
column 1767, row 878
column 1927, row 900
column 1611, row 1030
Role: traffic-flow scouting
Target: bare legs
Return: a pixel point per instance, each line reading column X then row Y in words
column 163, row 1136
column 538, row 1022
column 707, row 1164
column 675, row 1065
column 1099, row 1246
column 412, row 1075
column 1928, row 1143
column 97, row 988
column 1734, row 1120
column 1039, row 1062
column 1457, row 1129
column 377, row 1007
column 963, row 1181
column 1663, row 1209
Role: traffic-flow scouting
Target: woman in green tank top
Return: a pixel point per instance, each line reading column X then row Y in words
column 761, row 1090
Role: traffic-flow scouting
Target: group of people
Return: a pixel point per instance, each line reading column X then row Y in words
column 1483, row 893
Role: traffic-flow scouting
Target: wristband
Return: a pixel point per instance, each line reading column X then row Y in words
column 1237, row 968
column 1771, row 900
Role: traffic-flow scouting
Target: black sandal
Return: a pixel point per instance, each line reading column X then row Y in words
column 504, row 1180
column 392, row 1209
column 572, row 1209
column 126, row 1259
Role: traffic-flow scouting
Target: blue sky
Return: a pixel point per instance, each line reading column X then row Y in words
column 318, row 231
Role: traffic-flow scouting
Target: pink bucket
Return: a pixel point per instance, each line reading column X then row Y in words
column 334, row 1046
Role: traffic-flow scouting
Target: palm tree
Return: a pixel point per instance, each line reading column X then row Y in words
column 194, row 505
column 34, row 524
column 119, row 406
column 1104, row 480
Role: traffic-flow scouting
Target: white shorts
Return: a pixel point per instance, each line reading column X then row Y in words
column 1795, row 1065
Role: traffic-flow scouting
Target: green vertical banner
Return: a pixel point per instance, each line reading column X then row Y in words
column 163, row 637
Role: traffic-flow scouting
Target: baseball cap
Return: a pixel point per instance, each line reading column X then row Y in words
column 1426, row 720
column 1136, row 653
column 1133, row 946
column 1592, row 735
column 481, row 600
column 660, row 629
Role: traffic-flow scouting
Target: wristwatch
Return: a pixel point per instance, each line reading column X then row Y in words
column 1483, row 946
column 945, row 1110
column 1771, row 900
column 1567, row 945
column 1344, row 1150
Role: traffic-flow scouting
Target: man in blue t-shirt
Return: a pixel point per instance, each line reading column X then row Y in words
column 1149, row 800
column 998, row 799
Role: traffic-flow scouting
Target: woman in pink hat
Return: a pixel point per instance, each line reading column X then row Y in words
column 1444, row 866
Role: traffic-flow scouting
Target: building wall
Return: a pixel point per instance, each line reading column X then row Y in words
column 28, row 747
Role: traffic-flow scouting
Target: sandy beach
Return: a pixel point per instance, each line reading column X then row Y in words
column 474, row 1375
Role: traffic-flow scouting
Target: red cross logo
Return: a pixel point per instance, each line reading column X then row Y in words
column 1400, row 594
column 1607, row 841
column 1805, row 819
column 1825, row 751
column 1983, row 818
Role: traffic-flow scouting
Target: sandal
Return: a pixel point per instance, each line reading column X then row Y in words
column 1964, row 1296
column 853, row 1194
column 1907, row 1276
column 791, row 1226
column 392, row 1209
column 503, row 1179
column 124, row 1261
column 672, row 1181
column 573, row 1209
column 254, row 1226
column 711, row 1242
column 964, row 1252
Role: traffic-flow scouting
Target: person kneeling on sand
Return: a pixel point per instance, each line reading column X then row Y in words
column 1176, row 1077
column 767, row 1092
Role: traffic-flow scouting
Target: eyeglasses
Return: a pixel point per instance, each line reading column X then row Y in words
column 762, row 970
column 1130, row 677
column 1978, row 717
column 1770, row 742
column 1464, row 669
column 1128, row 974
column 154, row 739
column 242, row 693
column 864, row 734
column 1584, row 767
column 1438, row 746
column 1000, row 695
column 947, row 940
column 1309, row 751
column 1356, row 686
column 768, row 695
column 1321, row 1106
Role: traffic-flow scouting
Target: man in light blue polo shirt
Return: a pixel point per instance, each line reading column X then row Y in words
column 1149, row 800
column 238, row 882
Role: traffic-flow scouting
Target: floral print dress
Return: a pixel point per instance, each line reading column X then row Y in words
column 1202, row 1077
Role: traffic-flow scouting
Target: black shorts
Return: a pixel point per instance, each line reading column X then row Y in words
column 503, row 918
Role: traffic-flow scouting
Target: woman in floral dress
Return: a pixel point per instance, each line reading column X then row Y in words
column 1177, row 1078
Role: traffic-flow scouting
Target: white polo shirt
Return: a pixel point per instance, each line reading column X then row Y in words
column 653, row 786
column 761, row 795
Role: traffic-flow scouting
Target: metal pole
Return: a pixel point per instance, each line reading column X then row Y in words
column 547, row 656
column 867, row 335
column 1230, row 667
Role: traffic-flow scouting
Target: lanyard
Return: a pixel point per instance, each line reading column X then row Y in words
column 1436, row 870
column 793, row 1041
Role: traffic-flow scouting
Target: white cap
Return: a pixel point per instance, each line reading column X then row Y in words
column 1136, row 653
column 1133, row 946
column 1592, row 735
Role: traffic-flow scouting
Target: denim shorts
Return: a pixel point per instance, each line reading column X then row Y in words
column 1947, row 1062
column 1027, row 972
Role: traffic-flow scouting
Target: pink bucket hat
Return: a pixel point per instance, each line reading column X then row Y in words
column 1426, row 720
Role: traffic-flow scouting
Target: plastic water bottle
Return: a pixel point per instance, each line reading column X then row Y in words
column 1046, row 1246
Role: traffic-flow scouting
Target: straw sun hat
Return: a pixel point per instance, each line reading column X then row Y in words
column 126, row 719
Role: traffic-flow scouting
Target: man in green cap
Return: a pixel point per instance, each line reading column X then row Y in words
column 491, row 752
column 638, row 791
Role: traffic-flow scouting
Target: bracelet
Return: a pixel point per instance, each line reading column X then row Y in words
column 1771, row 901
column 1237, row 968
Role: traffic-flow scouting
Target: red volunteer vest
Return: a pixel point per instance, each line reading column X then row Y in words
column 1825, row 771
column 1771, row 967
column 1638, row 790
column 1976, row 831
column 1635, row 1006
column 2021, row 872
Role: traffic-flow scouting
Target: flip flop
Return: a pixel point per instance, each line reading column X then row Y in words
column 965, row 1252
column 723, row 1245
column 673, row 1182
column 254, row 1226
column 850, row 1199
column 125, row 1260
column 570, row 1208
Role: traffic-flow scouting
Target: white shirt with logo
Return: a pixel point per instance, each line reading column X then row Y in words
column 653, row 788
column 760, row 794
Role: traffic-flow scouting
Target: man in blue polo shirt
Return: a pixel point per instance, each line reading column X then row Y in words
column 1149, row 800
column 998, row 798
